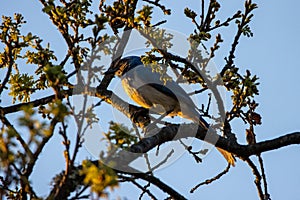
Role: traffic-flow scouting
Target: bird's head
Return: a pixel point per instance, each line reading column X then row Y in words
column 124, row 65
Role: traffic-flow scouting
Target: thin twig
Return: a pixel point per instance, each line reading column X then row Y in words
column 209, row 181
column 194, row 154
column 163, row 161
column 158, row 183
column 162, row 7
column 77, row 195
column 17, row 134
column 159, row 23
column 143, row 188
column 264, row 178
column 40, row 147
column 9, row 70
column 257, row 178
column 202, row 12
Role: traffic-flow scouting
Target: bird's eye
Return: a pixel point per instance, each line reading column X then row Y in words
column 119, row 73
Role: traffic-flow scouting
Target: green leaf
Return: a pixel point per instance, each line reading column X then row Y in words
column 21, row 87
column 98, row 177
column 189, row 13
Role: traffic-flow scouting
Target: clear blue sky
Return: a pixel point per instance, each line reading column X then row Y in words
column 273, row 54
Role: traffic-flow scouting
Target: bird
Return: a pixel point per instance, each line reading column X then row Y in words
column 146, row 88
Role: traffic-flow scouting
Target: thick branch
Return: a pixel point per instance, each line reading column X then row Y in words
column 268, row 145
column 170, row 133
column 174, row 132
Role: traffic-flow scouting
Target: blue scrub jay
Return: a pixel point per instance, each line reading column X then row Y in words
column 146, row 88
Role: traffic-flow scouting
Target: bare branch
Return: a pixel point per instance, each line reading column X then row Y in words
column 264, row 178
column 257, row 178
column 161, row 185
column 143, row 188
column 169, row 133
column 209, row 181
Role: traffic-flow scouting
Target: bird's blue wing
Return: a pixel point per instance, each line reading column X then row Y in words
column 163, row 89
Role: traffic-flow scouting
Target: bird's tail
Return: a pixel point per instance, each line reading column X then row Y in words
column 227, row 155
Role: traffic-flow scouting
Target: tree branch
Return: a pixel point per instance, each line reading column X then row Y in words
column 169, row 133
column 260, row 147
column 161, row 185
column 257, row 178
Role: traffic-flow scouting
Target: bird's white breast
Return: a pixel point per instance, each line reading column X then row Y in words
column 131, row 83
